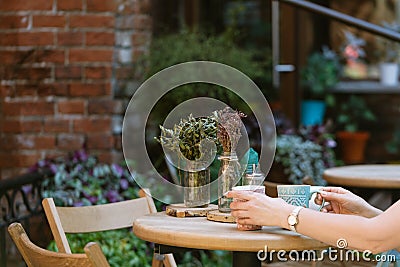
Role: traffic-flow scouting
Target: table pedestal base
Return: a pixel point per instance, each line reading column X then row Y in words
column 248, row 259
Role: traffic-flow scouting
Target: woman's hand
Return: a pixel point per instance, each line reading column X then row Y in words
column 259, row 209
column 342, row 201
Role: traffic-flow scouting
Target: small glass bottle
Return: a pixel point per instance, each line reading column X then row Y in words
column 229, row 175
column 253, row 176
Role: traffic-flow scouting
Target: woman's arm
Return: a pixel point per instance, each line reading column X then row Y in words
column 376, row 234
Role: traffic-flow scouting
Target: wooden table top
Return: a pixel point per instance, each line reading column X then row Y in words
column 200, row 233
column 370, row 176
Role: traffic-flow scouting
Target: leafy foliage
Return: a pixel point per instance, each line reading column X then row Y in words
column 121, row 247
column 393, row 145
column 168, row 50
column 353, row 112
column 353, row 47
column 186, row 136
column 305, row 152
column 300, row 158
column 187, row 46
column 80, row 179
column 320, row 74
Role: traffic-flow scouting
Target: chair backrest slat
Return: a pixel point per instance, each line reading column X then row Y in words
column 99, row 218
column 102, row 217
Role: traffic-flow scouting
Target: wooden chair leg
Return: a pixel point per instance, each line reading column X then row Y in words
column 169, row 260
column 157, row 260
column 166, row 260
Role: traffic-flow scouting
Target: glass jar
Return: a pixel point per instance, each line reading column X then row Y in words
column 196, row 183
column 228, row 176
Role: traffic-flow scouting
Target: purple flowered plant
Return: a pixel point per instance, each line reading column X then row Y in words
column 80, row 180
column 323, row 136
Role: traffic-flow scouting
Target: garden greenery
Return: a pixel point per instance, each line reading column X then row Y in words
column 80, row 179
column 353, row 113
column 186, row 46
column 306, row 152
column 320, row 74
column 300, row 158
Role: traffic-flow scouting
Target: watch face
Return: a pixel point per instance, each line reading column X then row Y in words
column 292, row 220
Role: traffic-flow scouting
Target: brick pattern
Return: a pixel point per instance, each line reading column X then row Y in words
column 63, row 65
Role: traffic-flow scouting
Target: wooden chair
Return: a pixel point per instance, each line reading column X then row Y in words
column 100, row 218
column 35, row 256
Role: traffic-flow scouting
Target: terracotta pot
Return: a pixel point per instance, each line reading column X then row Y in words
column 352, row 146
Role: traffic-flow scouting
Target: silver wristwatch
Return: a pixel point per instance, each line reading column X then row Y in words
column 293, row 218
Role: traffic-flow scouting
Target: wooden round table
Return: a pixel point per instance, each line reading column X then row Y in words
column 200, row 233
column 379, row 176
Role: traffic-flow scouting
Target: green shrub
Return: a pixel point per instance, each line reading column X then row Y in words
column 121, row 247
column 168, row 50
column 80, row 179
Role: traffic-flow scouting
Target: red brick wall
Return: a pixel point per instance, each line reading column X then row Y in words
column 63, row 64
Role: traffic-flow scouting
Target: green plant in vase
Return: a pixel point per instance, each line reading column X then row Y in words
column 228, row 134
column 188, row 142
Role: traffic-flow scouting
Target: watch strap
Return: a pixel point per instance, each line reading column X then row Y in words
column 295, row 214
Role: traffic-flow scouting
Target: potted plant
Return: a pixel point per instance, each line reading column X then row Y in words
column 184, row 142
column 354, row 54
column 351, row 140
column 319, row 75
column 389, row 67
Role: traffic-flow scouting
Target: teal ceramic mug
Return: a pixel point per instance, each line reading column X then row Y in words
column 299, row 195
